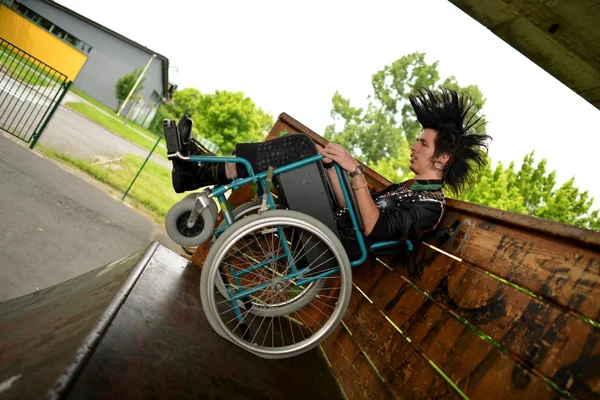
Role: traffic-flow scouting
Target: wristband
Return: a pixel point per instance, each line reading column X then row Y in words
column 327, row 165
column 364, row 185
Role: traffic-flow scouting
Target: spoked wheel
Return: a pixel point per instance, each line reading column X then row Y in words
column 275, row 308
column 288, row 283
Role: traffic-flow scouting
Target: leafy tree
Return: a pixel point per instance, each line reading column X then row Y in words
column 227, row 118
column 380, row 133
column 186, row 101
column 224, row 118
column 124, row 85
column 531, row 190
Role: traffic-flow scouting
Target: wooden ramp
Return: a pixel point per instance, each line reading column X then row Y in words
column 504, row 307
column 134, row 329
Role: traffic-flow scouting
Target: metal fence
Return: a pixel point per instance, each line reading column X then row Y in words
column 30, row 93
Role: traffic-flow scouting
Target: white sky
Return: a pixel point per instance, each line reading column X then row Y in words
column 291, row 56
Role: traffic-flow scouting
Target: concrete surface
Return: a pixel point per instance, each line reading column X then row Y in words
column 57, row 223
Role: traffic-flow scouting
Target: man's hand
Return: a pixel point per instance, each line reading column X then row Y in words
column 325, row 159
column 335, row 152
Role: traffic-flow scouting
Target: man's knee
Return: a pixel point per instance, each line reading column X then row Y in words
column 304, row 144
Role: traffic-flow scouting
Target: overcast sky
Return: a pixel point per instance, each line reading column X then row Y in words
column 291, row 56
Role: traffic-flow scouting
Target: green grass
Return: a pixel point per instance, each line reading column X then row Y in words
column 92, row 100
column 152, row 192
column 117, row 126
column 23, row 69
column 101, row 106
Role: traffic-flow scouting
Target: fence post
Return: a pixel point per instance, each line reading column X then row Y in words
column 141, row 168
column 49, row 117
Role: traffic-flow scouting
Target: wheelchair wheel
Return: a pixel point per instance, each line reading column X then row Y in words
column 244, row 210
column 274, row 308
column 176, row 222
column 270, row 262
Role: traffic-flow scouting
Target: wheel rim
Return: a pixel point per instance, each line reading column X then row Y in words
column 304, row 322
column 182, row 227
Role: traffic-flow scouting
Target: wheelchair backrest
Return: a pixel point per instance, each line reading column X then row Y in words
column 307, row 190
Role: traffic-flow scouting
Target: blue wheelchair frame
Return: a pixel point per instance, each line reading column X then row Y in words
column 263, row 180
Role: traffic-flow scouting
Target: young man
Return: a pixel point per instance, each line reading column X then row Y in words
column 449, row 152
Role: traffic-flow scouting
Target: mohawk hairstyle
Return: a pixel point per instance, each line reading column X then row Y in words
column 455, row 117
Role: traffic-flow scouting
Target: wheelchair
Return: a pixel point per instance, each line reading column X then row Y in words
column 277, row 279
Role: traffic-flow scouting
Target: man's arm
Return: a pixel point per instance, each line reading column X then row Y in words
column 336, row 186
column 366, row 205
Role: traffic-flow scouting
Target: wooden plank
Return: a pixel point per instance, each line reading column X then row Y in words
column 562, row 272
column 446, row 341
column 340, row 349
column 510, row 324
column 406, row 373
column 352, row 370
column 402, row 303
column 479, row 369
column 364, row 276
column 559, row 345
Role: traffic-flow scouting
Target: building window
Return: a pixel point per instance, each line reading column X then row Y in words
column 50, row 27
column 58, row 32
column 154, row 96
column 72, row 40
column 44, row 23
column 86, row 48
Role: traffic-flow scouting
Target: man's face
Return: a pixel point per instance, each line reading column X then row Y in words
column 422, row 152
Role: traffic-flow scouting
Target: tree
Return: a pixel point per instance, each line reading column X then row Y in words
column 531, row 190
column 124, row 85
column 379, row 135
column 228, row 118
column 224, row 118
column 186, row 101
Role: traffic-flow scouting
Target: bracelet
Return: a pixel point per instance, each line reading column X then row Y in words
column 327, row 165
column 360, row 187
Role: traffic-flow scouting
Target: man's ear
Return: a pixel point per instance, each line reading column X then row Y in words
column 444, row 158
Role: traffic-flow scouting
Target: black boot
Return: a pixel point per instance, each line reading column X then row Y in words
column 189, row 176
column 183, row 171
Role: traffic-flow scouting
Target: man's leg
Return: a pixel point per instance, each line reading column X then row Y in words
column 277, row 152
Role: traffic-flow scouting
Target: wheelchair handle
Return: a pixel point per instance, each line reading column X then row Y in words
column 269, row 179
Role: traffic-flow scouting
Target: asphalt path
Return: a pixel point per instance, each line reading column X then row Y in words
column 56, row 223
column 23, row 107
column 72, row 133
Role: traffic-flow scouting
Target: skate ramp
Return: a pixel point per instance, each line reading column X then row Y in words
column 135, row 329
column 504, row 306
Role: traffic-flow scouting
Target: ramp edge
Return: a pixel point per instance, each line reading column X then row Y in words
column 66, row 380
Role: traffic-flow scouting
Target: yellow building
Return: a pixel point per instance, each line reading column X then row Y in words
column 39, row 42
column 91, row 55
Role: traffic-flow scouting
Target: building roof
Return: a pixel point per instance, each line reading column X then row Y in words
column 164, row 60
column 562, row 37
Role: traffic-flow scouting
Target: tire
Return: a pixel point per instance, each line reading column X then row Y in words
column 231, row 318
column 175, row 223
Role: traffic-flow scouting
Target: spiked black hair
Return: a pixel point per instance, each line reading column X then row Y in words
column 457, row 121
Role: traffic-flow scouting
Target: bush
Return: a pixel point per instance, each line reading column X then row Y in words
column 124, row 85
